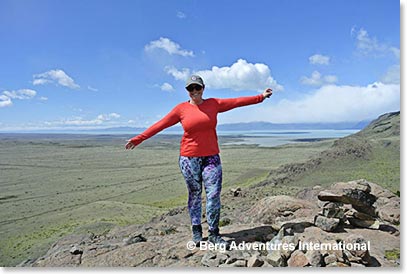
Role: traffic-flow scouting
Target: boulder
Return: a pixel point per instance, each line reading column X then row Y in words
column 255, row 261
column 371, row 224
column 361, row 201
column 333, row 210
column 326, row 224
column 360, row 248
column 280, row 209
column 314, row 257
column 297, row 259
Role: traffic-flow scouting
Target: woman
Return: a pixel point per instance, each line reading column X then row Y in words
column 199, row 159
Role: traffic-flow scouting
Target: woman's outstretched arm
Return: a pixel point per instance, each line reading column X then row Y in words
column 228, row 104
column 169, row 120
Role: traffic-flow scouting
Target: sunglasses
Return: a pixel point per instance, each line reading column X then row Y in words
column 191, row 88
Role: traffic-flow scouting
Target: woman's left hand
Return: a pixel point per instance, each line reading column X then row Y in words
column 267, row 93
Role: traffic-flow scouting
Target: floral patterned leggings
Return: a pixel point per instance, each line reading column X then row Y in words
column 208, row 170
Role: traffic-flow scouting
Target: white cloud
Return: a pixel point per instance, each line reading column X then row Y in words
column 392, row 76
column 92, row 89
column 178, row 74
column 21, row 94
column 167, row 87
column 329, row 103
column 319, row 59
column 5, row 101
column 169, row 46
column 317, row 79
column 181, row 15
column 42, row 98
column 370, row 45
column 239, row 76
column 80, row 121
column 57, row 76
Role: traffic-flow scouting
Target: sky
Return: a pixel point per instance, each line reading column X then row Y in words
column 99, row 64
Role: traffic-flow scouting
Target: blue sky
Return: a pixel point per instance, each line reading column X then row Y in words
column 96, row 64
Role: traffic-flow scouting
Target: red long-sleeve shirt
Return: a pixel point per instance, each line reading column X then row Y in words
column 199, row 123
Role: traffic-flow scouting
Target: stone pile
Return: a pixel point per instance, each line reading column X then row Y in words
column 350, row 203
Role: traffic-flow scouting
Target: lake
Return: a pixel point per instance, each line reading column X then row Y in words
column 281, row 137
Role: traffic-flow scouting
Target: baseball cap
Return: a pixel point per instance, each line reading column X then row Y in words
column 194, row 79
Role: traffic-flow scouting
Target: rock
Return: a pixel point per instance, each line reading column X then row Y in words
column 326, row 224
column 387, row 204
column 275, row 259
column 314, row 257
column 134, row 239
column 333, row 210
column 360, row 200
column 213, row 259
column 76, row 250
column 255, row 261
column 337, row 264
column 141, row 254
column 236, row 191
column 239, row 263
column 272, row 209
column 361, row 251
column 362, row 216
column 331, row 258
column 266, row 264
column 297, row 259
column 209, row 259
column 351, row 258
column 371, row 224
column 224, row 221
column 276, row 241
column 360, row 184
column 356, row 265
column 289, row 244
column 231, row 260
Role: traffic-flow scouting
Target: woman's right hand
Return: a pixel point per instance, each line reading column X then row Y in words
column 130, row 145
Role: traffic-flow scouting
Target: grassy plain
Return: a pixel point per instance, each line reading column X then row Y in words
column 53, row 185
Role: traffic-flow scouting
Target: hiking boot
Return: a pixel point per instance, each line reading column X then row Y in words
column 197, row 234
column 215, row 238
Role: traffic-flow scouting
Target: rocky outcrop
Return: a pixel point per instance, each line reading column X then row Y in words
column 350, row 224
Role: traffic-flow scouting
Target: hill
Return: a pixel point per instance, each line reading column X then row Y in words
column 297, row 202
column 373, row 153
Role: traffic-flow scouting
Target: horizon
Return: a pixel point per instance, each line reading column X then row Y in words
column 123, row 63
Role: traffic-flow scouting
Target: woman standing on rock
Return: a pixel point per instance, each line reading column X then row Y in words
column 199, row 159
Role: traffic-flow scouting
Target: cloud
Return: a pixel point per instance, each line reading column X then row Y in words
column 169, row 46
column 178, row 74
column 21, row 94
column 317, row 79
column 58, row 77
column 80, row 121
column 181, row 15
column 367, row 45
column 5, row 101
column 319, row 59
column 392, row 76
column 167, row 87
column 92, row 89
column 239, row 76
column 329, row 103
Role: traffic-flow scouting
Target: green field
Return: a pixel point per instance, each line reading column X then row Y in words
column 53, row 185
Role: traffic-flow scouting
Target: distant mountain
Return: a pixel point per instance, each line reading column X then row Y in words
column 259, row 126
column 291, row 126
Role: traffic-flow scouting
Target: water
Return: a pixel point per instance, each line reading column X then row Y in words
column 281, row 137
